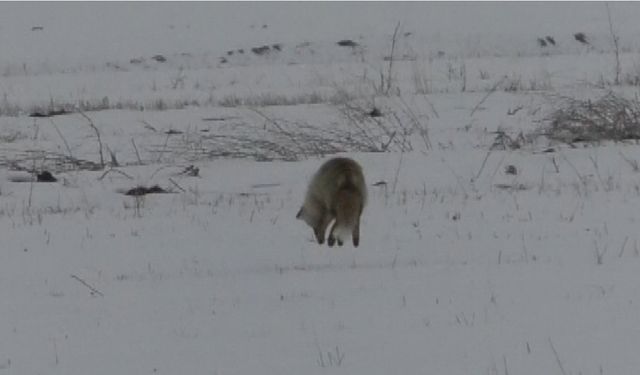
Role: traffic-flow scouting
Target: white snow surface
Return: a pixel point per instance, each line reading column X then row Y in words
column 462, row 268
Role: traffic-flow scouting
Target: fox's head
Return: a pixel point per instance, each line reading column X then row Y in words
column 304, row 215
column 314, row 221
column 309, row 215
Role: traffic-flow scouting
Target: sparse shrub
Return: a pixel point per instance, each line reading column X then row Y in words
column 159, row 104
column 504, row 141
column 8, row 109
column 609, row 118
column 421, row 83
column 12, row 136
column 272, row 99
column 543, row 84
column 513, row 84
column 230, row 101
column 90, row 106
column 632, row 77
column 178, row 80
column 268, row 138
column 330, row 358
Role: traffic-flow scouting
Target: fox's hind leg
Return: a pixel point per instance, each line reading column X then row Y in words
column 331, row 240
column 332, row 236
column 356, row 234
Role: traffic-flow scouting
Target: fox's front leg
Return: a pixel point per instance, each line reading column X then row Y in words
column 332, row 238
column 321, row 229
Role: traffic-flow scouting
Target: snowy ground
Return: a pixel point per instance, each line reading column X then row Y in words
column 463, row 268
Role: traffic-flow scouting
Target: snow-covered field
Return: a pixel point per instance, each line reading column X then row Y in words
column 475, row 258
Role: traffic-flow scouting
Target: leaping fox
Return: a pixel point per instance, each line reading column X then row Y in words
column 336, row 191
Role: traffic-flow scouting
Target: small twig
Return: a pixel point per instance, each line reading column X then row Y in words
column 458, row 178
column 114, row 170
column 633, row 163
column 606, row 186
column 393, row 47
column 114, row 159
column 433, row 108
column 164, row 148
column 555, row 353
column 92, row 289
column 95, row 129
column 424, row 130
column 493, row 89
column 158, row 170
column 386, row 145
column 286, row 133
column 615, row 45
column 148, row 126
column 176, row 185
column 495, row 171
column 624, row 244
column 484, row 162
column 599, row 254
column 541, row 180
column 395, row 179
column 580, row 177
column 31, row 184
column 555, row 164
column 512, row 112
column 136, row 149
column 64, row 140
column 55, row 352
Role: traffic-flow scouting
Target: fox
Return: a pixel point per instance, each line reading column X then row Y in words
column 337, row 193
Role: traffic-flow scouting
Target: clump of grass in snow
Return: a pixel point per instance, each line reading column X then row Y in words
column 609, row 118
column 267, row 138
column 273, row 99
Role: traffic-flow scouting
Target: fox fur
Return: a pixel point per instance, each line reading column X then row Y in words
column 337, row 193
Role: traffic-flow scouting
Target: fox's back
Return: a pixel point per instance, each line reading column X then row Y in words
column 335, row 175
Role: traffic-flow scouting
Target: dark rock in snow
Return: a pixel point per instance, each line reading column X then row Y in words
column 143, row 190
column 46, row 176
column 347, row 43
column 159, row 58
column 261, row 50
